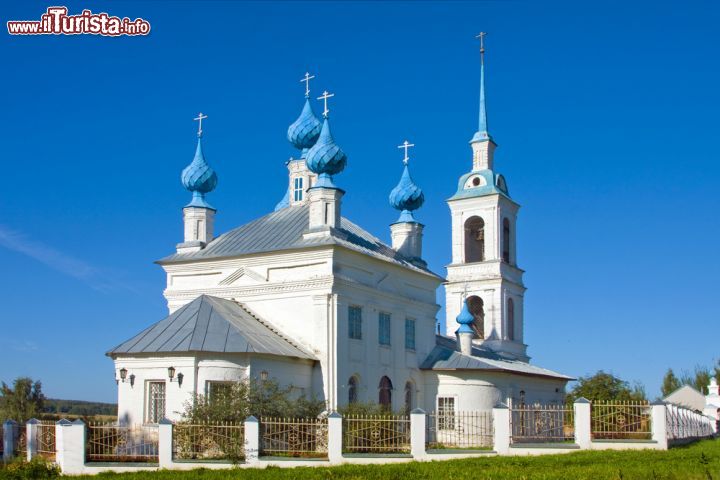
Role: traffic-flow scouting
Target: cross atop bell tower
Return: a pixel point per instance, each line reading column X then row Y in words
column 483, row 275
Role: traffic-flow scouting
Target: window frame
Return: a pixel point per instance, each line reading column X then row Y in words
column 384, row 329
column 450, row 423
column 298, row 189
column 355, row 323
column 408, row 322
column 149, row 401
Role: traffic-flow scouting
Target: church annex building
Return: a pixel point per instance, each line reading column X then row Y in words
column 307, row 297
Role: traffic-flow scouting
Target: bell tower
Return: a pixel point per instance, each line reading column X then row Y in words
column 484, row 274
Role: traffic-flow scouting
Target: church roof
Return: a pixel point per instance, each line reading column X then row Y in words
column 446, row 357
column 283, row 230
column 211, row 324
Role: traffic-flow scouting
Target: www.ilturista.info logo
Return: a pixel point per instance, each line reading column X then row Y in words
column 56, row 21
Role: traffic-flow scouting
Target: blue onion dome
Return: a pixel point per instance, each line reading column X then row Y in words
column 406, row 197
column 199, row 178
column 304, row 132
column 465, row 319
column 325, row 158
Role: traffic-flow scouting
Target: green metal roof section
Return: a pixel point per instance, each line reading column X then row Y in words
column 494, row 183
column 211, row 324
column 283, row 230
column 446, row 357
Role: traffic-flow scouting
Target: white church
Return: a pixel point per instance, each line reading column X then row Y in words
column 305, row 296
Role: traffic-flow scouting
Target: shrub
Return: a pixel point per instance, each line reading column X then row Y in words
column 37, row 469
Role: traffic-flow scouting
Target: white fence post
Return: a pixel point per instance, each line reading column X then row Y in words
column 165, row 443
column 59, row 439
column 70, row 440
column 501, row 426
column 335, row 437
column 583, row 430
column 9, row 437
column 252, row 439
column 417, row 433
column 659, row 427
column 31, row 435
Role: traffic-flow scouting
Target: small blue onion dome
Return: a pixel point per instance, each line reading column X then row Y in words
column 406, row 197
column 304, row 132
column 465, row 319
column 199, row 178
column 325, row 158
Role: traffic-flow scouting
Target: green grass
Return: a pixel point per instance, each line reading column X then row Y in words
column 698, row 461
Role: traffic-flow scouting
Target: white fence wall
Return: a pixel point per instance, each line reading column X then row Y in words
column 670, row 425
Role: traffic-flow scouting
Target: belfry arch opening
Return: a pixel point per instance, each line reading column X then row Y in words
column 477, row 309
column 474, row 240
column 506, row 240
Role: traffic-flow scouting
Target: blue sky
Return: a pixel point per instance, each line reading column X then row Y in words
column 605, row 114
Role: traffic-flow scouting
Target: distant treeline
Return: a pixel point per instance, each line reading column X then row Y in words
column 78, row 407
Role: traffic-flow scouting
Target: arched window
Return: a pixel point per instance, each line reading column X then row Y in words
column 409, row 396
column 385, row 394
column 506, row 240
column 474, row 240
column 510, row 319
column 353, row 389
column 475, row 305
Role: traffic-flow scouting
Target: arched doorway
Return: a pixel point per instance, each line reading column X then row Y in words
column 385, row 393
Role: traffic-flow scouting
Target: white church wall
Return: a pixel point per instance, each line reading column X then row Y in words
column 295, row 372
column 133, row 396
column 378, row 287
column 477, row 390
column 197, row 373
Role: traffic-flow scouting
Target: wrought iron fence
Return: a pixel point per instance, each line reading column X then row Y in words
column 682, row 423
column 376, row 434
column 46, row 439
column 450, row 429
column 542, row 423
column 296, row 437
column 209, row 441
column 629, row 420
column 109, row 442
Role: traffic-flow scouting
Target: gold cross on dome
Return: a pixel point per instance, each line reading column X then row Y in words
column 307, row 79
column 325, row 97
column 199, row 119
column 406, row 145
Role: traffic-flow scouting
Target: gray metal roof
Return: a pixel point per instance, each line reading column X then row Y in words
column 446, row 357
column 283, row 230
column 211, row 324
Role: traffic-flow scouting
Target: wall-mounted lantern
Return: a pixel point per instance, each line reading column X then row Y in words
column 123, row 374
column 171, row 373
column 132, row 379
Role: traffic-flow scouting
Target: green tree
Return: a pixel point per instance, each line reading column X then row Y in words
column 261, row 398
column 23, row 401
column 670, row 383
column 605, row 386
